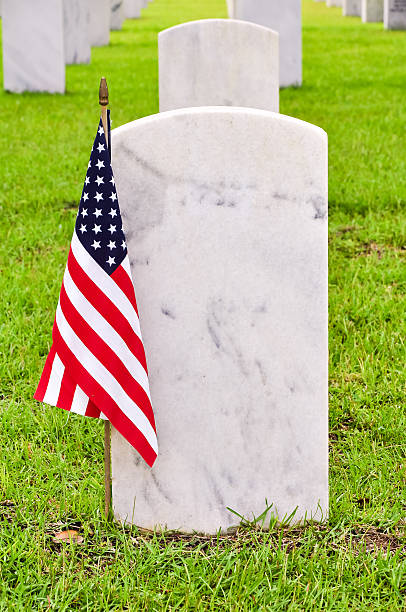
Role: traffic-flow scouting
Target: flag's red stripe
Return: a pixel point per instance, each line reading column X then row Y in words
column 106, row 356
column 46, row 373
column 122, row 279
column 66, row 392
column 107, row 309
column 92, row 410
column 101, row 398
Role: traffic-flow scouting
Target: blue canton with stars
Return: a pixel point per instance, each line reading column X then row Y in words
column 98, row 224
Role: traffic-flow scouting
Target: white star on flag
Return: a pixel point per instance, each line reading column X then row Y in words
column 100, row 164
column 83, row 228
column 111, row 260
column 113, row 212
column 99, row 180
column 112, row 229
column 111, row 245
column 100, row 148
column 96, row 244
column 85, row 196
column 97, row 229
column 98, row 196
column 113, row 197
column 84, row 212
column 98, row 213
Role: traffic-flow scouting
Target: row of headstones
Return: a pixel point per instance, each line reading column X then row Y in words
column 391, row 12
column 41, row 37
column 225, row 212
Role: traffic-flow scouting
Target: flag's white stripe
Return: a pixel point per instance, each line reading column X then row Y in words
column 106, row 332
column 105, row 379
column 126, row 265
column 54, row 382
column 105, row 283
column 79, row 402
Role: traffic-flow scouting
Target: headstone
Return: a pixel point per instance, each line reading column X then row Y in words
column 99, row 22
column 33, row 46
column 132, row 8
column 352, row 8
column 283, row 17
column 225, row 212
column 117, row 14
column 218, row 62
column 395, row 14
column 334, row 2
column 372, row 11
column 230, row 8
column 76, row 31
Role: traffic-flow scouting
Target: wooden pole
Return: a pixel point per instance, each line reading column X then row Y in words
column 103, row 101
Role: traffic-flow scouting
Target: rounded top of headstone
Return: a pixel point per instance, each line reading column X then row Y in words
column 230, row 24
column 220, row 113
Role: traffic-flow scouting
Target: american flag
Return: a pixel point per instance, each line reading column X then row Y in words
column 96, row 366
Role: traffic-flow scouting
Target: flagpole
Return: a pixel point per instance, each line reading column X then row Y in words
column 103, row 101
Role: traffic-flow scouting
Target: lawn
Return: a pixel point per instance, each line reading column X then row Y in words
column 51, row 469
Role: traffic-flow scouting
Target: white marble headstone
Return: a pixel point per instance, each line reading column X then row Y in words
column 395, row 14
column 225, row 212
column 132, row 8
column 352, row 8
column 230, row 8
column 117, row 14
column 33, row 46
column 372, row 11
column 284, row 17
column 99, row 22
column 218, row 62
column 334, row 2
column 76, row 31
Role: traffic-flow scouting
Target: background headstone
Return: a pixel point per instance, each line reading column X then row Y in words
column 230, row 8
column 33, row 46
column 218, row 62
column 352, row 8
column 372, row 11
column 99, row 25
column 225, row 212
column 76, row 31
column 117, row 14
column 132, row 8
column 334, row 2
column 395, row 14
column 283, row 17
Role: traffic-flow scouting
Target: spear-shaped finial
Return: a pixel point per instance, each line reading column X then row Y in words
column 103, row 101
column 103, row 92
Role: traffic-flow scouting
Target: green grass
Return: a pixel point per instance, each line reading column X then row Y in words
column 51, row 468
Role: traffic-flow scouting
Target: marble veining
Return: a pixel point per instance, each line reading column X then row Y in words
column 76, row 31
column 33, row 46
column 117, row 14
column 218, row 62
column 225, row 213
